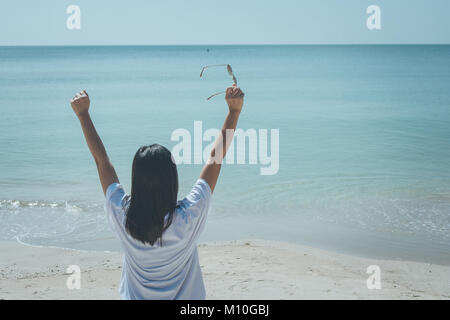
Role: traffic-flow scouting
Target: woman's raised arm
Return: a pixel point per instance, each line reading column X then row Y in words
column 80, row 105
column 210, row 173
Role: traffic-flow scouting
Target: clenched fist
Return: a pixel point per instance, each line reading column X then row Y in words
column 235, row 98
column 80, row 103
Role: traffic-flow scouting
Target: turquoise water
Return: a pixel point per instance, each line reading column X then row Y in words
column 364, row 141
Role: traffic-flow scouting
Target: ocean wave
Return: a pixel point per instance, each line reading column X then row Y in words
column 68, row 222
column 67, row 206
column 14, row 204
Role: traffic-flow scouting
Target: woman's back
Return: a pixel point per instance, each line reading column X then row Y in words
column 167, row 270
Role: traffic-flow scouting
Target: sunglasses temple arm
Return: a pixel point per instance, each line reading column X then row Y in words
column 211, row 66
column 215, row 94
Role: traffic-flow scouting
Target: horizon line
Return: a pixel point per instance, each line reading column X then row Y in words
column 224, row 45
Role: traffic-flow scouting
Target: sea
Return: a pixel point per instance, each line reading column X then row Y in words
column 362, row 154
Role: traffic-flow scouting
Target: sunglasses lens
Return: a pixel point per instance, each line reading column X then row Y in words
column 230, row 71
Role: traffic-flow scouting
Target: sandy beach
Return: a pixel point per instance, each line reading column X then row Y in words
column 253, row 269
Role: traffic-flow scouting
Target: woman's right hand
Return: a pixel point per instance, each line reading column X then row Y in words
column 235, row 98
column 80, row 103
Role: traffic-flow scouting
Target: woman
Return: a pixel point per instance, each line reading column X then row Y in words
column 158, row 233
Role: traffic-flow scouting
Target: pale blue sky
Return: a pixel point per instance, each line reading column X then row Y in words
column 103, row 22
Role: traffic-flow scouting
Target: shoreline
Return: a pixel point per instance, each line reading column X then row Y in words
column 337, row 239
column 282, row 242
column 243, row 269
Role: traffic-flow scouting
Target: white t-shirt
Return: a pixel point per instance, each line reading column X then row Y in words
column 170, row 271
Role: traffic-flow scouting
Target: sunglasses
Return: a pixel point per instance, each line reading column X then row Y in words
column 229, row 70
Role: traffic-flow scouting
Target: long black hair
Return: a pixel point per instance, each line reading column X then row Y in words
column 154, row 190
